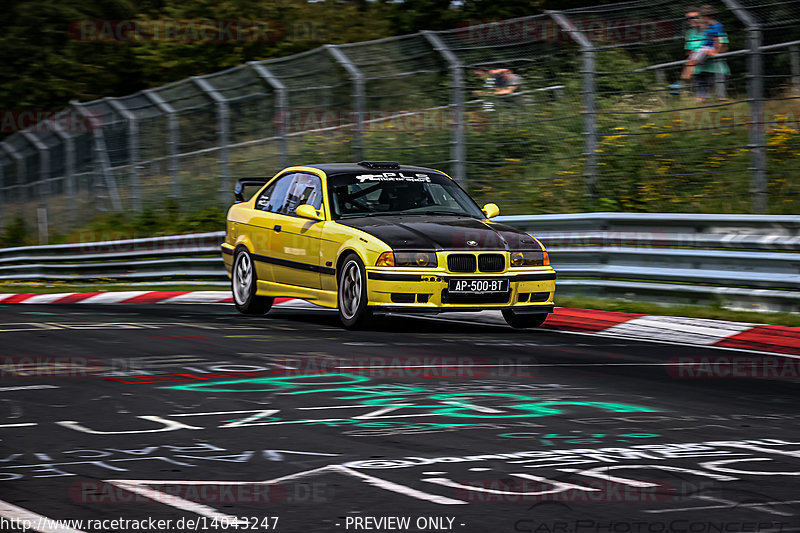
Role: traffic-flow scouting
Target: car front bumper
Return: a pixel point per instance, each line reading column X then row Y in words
column 529, row 290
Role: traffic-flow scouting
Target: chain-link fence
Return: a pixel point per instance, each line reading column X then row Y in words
column 576, row 110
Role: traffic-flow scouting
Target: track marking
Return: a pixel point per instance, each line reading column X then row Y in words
column 141, row 488
column 12, row 512
column 111, row 297
column 626, row 337
column 531, row 365
column 32, row 326
column 145, row 488
column 45, row 298
column 709, row 507
column 734, row 504
column 697, row 331
column 29, row 387
column 198, row 297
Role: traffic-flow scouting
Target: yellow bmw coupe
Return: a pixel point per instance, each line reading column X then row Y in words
column 378, row 237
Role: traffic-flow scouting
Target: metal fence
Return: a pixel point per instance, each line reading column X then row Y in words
column 746, row 262
column 593, row 124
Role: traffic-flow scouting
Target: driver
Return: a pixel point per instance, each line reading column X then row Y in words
column 405, row 196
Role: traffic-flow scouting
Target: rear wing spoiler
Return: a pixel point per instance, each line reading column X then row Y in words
column 238, row 190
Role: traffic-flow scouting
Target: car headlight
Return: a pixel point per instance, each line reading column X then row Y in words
column 529, row 258
column 407, row 259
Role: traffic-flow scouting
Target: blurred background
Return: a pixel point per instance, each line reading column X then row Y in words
column 137, row 117
column 125, row 123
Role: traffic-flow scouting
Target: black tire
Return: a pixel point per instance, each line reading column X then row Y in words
column 243, row 285
column 352, row 293
column 524, row 320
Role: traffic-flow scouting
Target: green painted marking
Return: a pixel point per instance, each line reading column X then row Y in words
column 290, row 382
column 457, row 405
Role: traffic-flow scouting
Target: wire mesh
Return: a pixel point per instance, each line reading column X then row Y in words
column 539, row 119
column 407, row 95
column 520, row 146
column 779, row 22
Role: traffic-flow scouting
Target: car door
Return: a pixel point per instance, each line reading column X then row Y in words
column 261, row 226
column 296, row 240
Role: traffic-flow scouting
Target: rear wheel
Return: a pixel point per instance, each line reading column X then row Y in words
column 524, row 320
column 244, row 284
column 353, row 310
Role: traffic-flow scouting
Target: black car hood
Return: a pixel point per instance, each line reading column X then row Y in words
column 441, row 232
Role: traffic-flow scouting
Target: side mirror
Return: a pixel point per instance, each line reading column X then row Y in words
column 491, row 210
column 308, row 211
column 238, row 190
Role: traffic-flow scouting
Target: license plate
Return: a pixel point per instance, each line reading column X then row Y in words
column 477, row 286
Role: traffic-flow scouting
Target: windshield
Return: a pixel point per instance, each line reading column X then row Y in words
column 371, row 193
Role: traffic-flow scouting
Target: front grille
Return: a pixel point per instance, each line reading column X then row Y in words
column 491, row 263
column 461, row 263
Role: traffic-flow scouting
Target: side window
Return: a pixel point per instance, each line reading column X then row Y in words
column 304, row 189
column 273, row 197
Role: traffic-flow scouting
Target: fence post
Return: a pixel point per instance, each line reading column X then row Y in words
column 224, row 122
column 100, row 156
column 281, row 108
column 358, row 97
column 20, row 167
column 794, row 63
column 68, row 145
column 2, row 195
column 133, row 151
column 44, row 184
column 755, row 96
column 457, row 145
column 172, row 140
column 589, row 103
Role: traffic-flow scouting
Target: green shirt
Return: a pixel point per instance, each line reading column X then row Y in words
column 694, row 41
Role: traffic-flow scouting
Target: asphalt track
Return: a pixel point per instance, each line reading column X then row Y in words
column 194, row 413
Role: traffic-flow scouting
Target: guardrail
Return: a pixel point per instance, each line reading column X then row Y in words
column 174, row 257
column 735, row 261
column 747, row 262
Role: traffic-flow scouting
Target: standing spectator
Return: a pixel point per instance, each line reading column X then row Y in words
column 714, row 70
column 704, row 39
column 498, row 82
column 506, row 81
column 489, row 84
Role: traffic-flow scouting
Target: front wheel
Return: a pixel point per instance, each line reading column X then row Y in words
column 353, row 310
column 244, row 284
column 524, row 320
